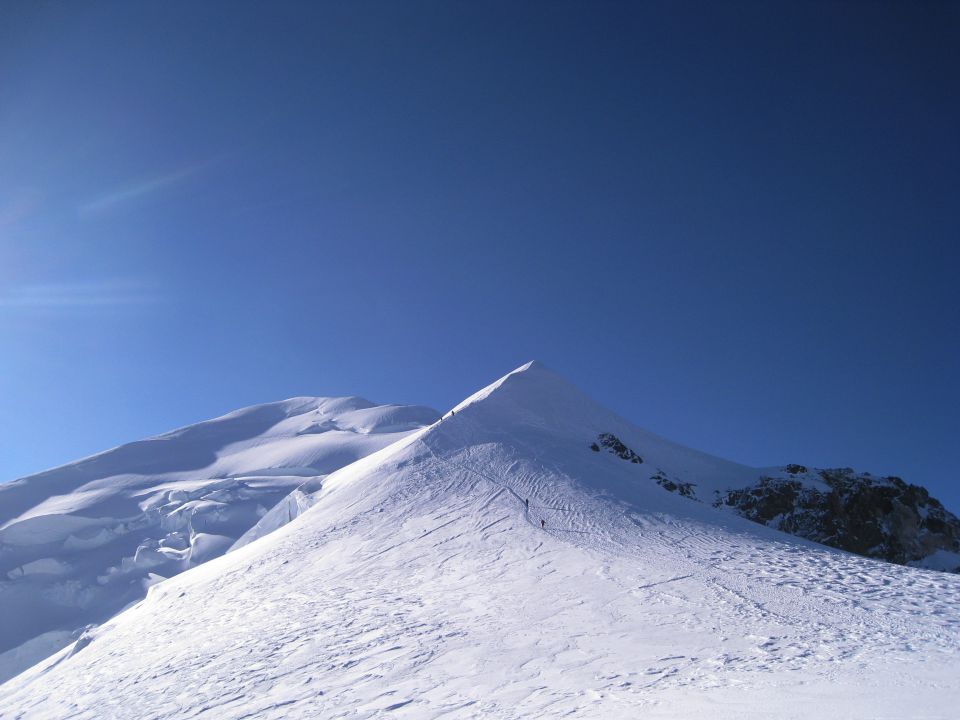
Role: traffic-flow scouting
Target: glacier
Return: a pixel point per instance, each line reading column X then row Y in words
column 80, row 542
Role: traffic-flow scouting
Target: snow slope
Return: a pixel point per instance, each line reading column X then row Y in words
column 80, row 542
column 419, row 585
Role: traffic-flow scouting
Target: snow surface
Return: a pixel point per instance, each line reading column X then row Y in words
column 80, row 542
column 418, row 585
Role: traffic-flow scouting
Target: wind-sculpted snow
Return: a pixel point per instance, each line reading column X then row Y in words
column 419, row 584
column 80, row 542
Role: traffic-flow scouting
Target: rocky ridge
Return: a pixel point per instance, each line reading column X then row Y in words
column 878, row 517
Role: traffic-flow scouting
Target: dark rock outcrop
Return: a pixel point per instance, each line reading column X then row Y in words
column 676, row 486
column 883, row 518
column 613, row 444
column 878, row 517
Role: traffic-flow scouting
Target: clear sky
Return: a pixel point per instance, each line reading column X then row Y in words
column 736, row 224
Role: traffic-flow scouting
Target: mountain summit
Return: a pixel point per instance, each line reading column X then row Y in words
column 529, row 554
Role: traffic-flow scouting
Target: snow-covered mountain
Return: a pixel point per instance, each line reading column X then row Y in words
column 517, row 560
column 80, row 542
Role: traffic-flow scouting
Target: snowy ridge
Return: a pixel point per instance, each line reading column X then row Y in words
column 79, row 542
column 419, row 583
column 874, row 516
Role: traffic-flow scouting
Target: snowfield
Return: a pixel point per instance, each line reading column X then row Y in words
column 415, row 582
column 80, row 542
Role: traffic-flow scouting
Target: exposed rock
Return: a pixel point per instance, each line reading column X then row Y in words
column 676, row 486
column 883, row 518
column 613, row 444
column 879, row 517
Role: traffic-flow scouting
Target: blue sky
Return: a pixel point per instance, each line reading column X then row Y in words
column 734, row 223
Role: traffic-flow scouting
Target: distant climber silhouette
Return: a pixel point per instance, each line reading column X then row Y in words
column 542, row 523
column 527, row 502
